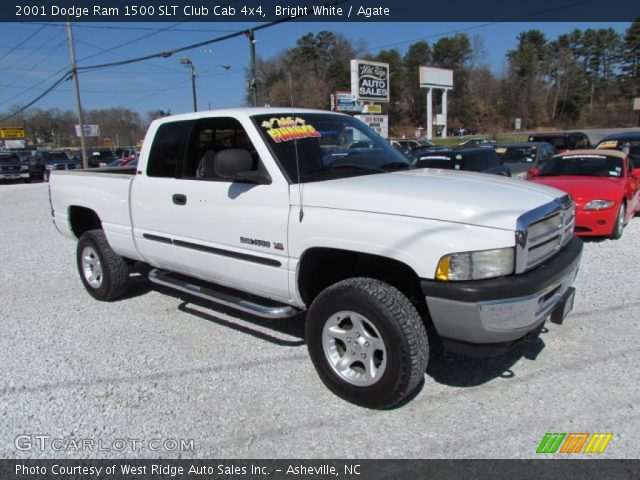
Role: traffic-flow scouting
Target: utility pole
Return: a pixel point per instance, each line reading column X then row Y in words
column 74, row 73
column 187, row 61
column 253, row 87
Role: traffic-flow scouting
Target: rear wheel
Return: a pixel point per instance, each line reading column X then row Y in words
column 619, row 226
column 367, row 342
column 104, row 273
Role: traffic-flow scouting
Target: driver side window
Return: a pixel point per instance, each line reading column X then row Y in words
column 209, row 137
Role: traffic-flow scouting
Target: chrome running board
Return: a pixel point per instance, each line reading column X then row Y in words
column 215, row 293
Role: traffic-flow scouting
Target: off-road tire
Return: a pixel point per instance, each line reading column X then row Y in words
column 104, row 273
column 389, row 314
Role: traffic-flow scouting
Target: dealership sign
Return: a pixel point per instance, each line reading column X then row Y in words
column 370, row 80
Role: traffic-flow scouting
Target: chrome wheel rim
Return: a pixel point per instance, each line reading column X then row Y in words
column 621, row 218
column 91, row 267
column 354, row 348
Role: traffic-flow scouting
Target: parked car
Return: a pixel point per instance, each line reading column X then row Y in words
column 11, row 168
column 474, row 159
column 563, row 141
column 42, row 162
column 96, row 156
column 407, row 146
column 628, row 142
column 604, row 185
column 123, row 156
column 477, row 142
column 521, row 157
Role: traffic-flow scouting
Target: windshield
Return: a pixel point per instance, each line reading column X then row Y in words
column 476, row 160
column 326, row 146
column 559, row 142
column 9, row 157
column 55, row 156
column 516, row 154
column 587, row 165
column 632, row 147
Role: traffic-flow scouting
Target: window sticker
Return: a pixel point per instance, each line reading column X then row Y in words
column 608, row 144
column 285, row 129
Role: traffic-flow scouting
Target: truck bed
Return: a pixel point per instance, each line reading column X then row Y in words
column 105, row 191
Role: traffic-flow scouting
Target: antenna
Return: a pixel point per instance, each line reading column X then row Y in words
column 295, row 146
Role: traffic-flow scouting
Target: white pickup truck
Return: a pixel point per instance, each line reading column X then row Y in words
column 279, row 211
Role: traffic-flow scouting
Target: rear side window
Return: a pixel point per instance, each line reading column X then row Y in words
column 482, row 161
column 167, row 151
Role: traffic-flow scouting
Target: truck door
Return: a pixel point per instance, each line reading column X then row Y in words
column 188, row 219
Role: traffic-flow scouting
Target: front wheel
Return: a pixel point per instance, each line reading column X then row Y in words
column 367, row 342
column 619, row 226
column 104, row 273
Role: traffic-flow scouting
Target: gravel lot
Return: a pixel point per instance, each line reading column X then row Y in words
column 156, row 365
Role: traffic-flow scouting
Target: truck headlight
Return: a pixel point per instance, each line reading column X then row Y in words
column 599, row 204
column 476, row 265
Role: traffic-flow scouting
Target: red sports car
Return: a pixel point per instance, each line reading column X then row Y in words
column 603, row 183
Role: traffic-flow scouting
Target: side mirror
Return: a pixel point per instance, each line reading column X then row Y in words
column 635, row 172
column 534, row 172
column 236, row 165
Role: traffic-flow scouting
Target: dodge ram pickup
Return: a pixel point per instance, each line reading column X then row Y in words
column 283, row 212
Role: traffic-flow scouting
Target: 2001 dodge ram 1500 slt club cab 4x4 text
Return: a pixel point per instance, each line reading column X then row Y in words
column 279, row 211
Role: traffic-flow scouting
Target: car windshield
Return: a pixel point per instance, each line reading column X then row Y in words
column 316, row 146
column 584, row 165
column 9, row 157
column 557, row 141
column 55, row 156
column 476, row 160
column 632, row 147
column 516, row 154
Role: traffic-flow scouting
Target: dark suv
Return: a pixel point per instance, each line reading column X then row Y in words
column 474, row 159
column 42, row 162
column 563, row 141
column 96, row 156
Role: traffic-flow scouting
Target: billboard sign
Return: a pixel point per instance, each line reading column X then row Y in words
column 89, row 130
column 370, row 80
column 436, row 77
column 11, row 133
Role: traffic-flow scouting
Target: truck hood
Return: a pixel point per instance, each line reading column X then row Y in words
column 449, row 196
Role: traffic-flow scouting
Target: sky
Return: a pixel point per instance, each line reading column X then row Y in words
column 34, row 55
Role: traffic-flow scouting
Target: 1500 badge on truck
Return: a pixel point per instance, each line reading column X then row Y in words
column 275, row 212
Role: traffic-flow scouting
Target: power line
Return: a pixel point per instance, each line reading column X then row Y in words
column 64, row 78
column 119, row 27
column 21, row 43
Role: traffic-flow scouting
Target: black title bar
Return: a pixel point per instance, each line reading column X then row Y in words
column 318, row 10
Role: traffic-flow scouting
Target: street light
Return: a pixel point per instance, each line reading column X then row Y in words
column 186, row 61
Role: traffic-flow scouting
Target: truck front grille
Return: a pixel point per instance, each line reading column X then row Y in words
column 541, row 233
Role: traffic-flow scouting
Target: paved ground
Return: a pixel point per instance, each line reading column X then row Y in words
column 156, row 366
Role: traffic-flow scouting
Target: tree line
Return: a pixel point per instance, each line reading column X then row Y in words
column 582, row 78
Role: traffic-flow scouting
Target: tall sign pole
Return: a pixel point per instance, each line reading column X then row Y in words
column 433, row 78
column 74, row 73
